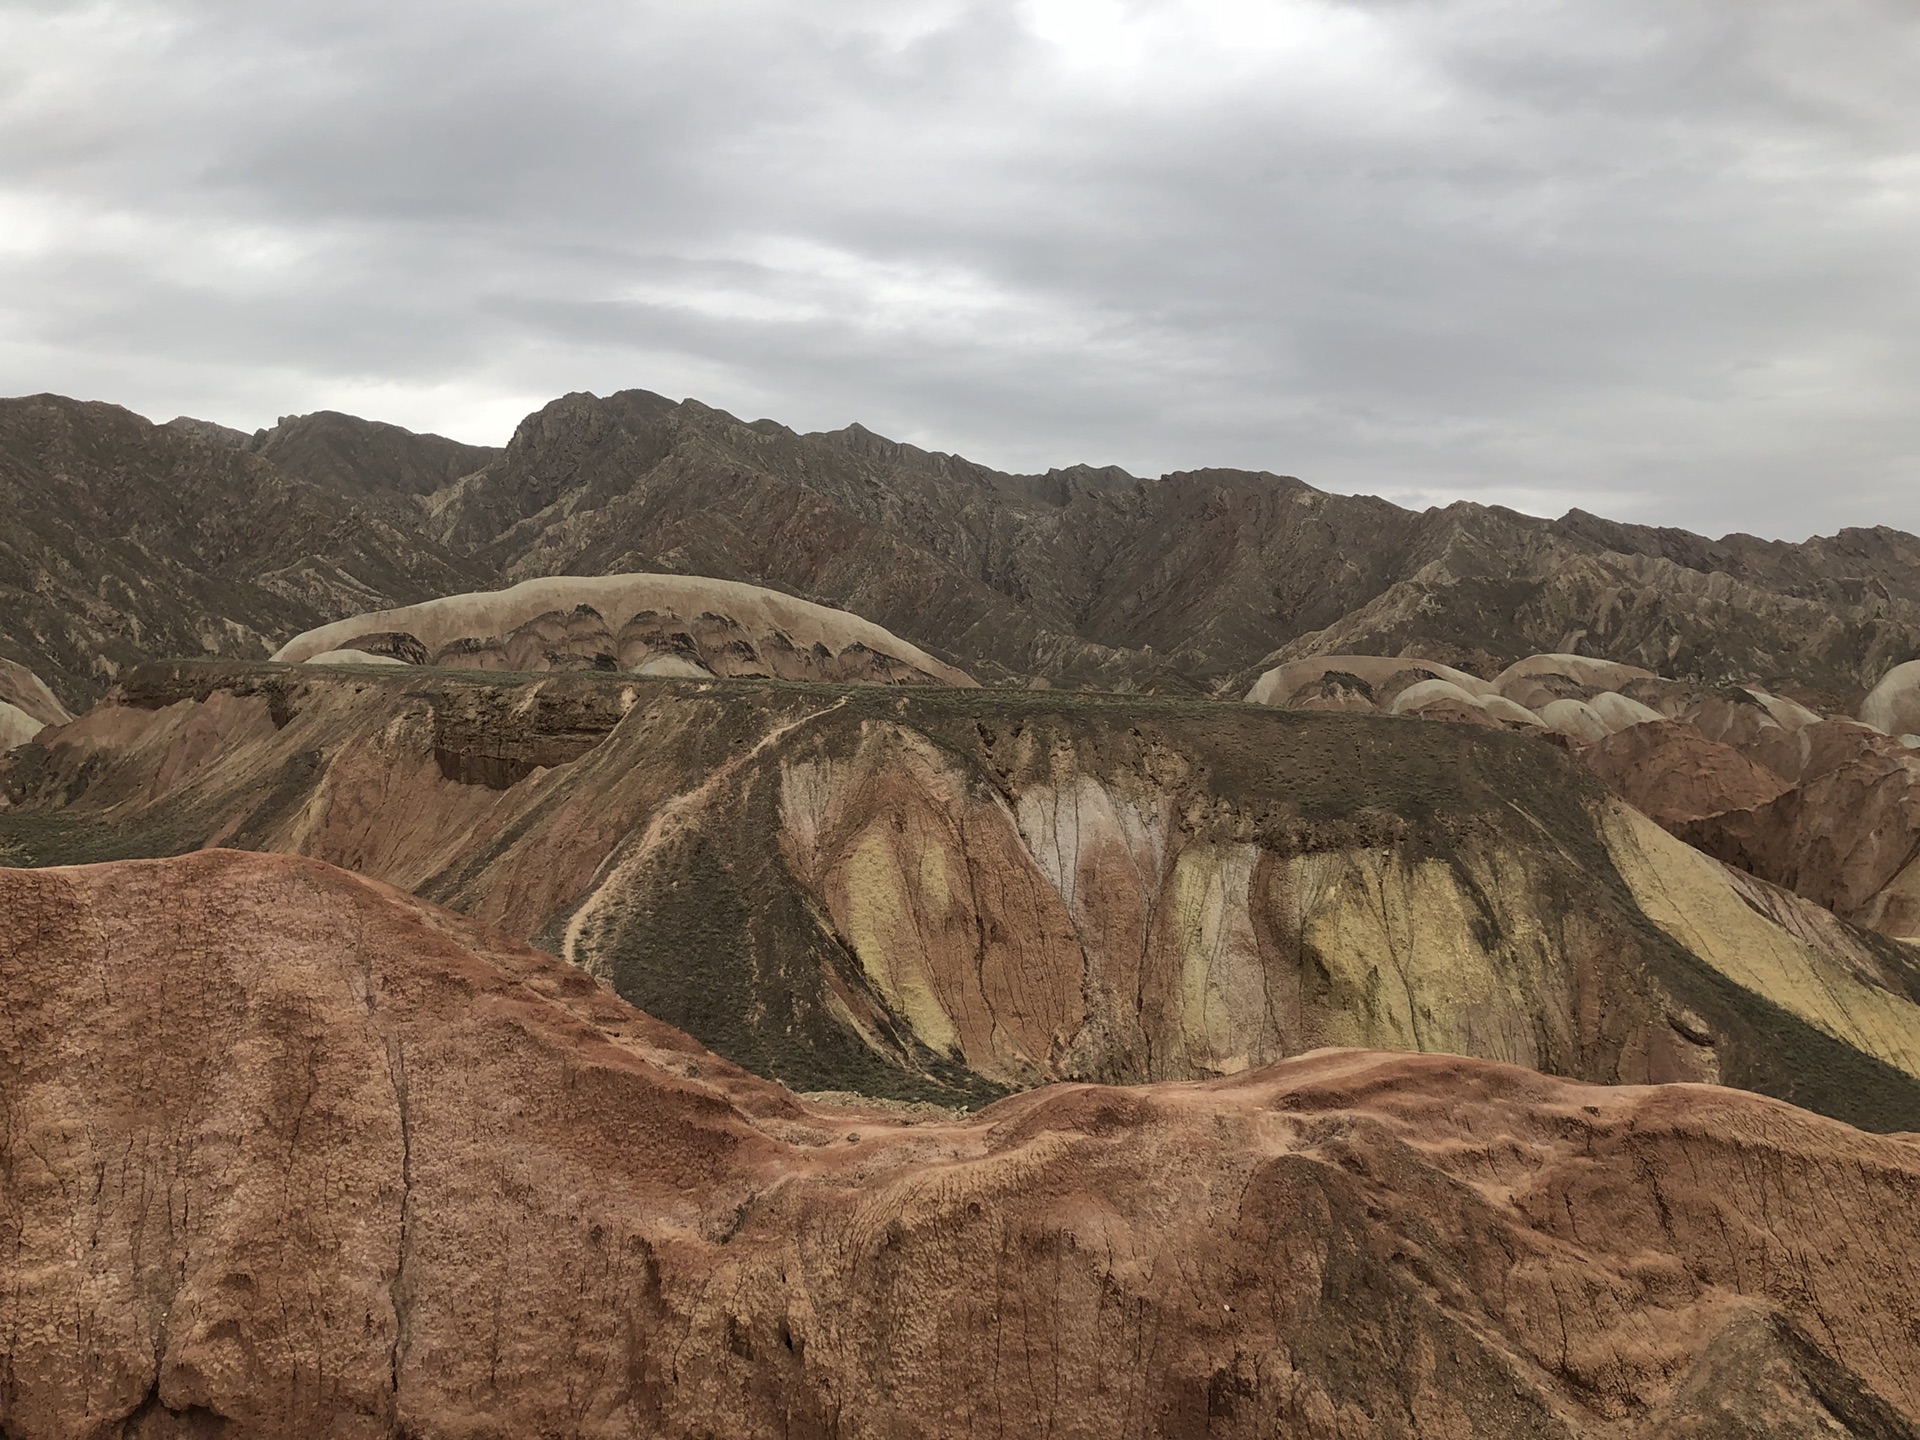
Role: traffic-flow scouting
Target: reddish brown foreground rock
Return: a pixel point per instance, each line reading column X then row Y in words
column 284, row 1152
column 1669, row 770
column 1847, row 836
column 1829, row 811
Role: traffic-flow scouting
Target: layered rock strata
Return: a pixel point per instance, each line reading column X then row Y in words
column 133, row 541
column 127, row 540
column 1825, row 806
column 1576, row 697
column 647, row 624
column 935, row 893
column 26, row 705
column 1846, row 834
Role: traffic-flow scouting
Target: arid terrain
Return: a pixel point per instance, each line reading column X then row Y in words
column 943, row 894
column 131, row 541
column 677, row 927
column 291, row 1153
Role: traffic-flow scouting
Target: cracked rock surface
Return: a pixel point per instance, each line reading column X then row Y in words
column 286, row 1152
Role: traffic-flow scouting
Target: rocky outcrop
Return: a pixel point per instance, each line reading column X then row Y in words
column 1081, row 577
column 1823, row 807
column 1676, row 750
column 649, row 624
column 347, row 455
column 28, row 693
column 1581, row 699
column 1846, row 835
column 1379, row 679
column 1099, row 577
column 287, row 1152
column 127, row 540
column 1894, row 704
column 1096, row 576
column 1646, row 611
column 16, row 726
column 1673, row 773
column 211, row 432
column 26, row 705
column 943, row 894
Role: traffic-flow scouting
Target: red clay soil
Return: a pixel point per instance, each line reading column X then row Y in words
column 1846, row 836
column 1669, row 770
column 285, row 1152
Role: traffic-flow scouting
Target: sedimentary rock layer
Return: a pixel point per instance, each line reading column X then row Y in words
column 946, row 894
column 127, row 540
column 285, row 1152
column 1825, row 806
column 649, row 624
column 1580, row 699
column 132, row 541
column 1094, row 575
column 28, row 693
column 26, row 705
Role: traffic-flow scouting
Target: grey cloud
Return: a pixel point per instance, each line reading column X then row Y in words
column 1647, row 258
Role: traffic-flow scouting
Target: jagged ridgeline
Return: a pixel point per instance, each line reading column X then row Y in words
column 939, row 893
column 130, row 541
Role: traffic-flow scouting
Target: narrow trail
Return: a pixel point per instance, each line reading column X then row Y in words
column 669, row 820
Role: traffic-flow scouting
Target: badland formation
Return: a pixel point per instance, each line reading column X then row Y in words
column 677, row 927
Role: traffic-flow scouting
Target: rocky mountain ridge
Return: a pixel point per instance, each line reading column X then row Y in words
column 1083, row 1052
column 125, row 540
column 1192, row 583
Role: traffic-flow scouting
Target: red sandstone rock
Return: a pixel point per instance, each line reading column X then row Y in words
column 1669, row 770
column 284, row 1152
column 1845, row 837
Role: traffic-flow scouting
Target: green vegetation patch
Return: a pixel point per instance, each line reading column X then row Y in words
column 32, row 840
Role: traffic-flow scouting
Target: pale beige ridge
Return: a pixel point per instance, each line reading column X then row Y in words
column 617, row 599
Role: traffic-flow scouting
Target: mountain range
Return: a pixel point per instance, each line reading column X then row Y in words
column 675, row 927
column 133, row 541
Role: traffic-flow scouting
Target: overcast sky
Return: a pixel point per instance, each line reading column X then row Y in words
column 1655, row 258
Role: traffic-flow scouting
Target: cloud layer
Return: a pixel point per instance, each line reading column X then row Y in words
column 1653, row 259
